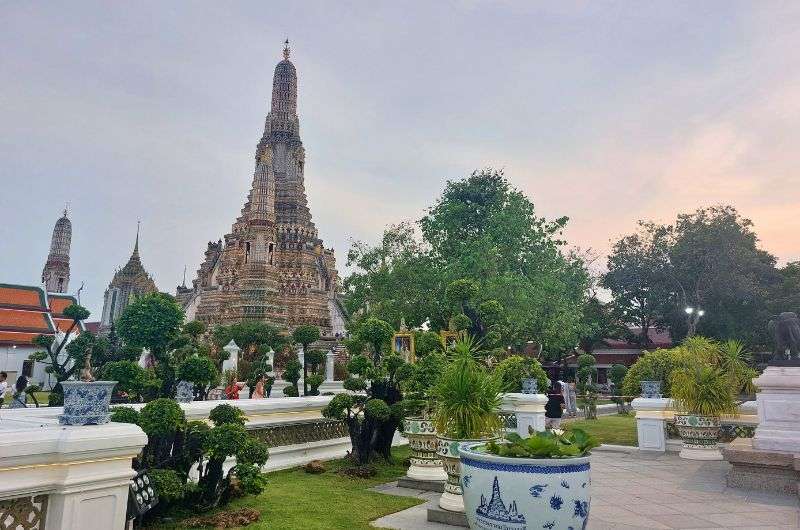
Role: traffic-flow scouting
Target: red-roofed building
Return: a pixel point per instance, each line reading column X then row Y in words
column 25, row 313
column 622, row 351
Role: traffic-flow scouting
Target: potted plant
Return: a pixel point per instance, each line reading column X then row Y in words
column 521, row 374
column 702, row 393
column 467, row 405
column 537, row 482
column 418, row 425
column 86, row 401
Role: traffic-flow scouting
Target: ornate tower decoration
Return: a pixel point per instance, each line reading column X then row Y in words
column 130, row 281
column 272, row 266
column 55, row 275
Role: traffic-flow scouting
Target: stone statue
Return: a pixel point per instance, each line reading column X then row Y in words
column 86, row 371
column 785, row 329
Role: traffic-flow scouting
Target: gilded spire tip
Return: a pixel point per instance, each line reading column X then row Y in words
column 286, row 49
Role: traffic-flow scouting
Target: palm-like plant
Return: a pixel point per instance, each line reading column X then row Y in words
column 467, row 395
column 704, row 390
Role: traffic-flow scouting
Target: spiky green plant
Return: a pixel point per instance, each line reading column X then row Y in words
column 467, row 396
column 704, row 390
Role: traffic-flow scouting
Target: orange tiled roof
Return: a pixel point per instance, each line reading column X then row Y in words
column 59, row 302
column 22, row 296
column 10, row 337
column 64, row 324
column 19, row 320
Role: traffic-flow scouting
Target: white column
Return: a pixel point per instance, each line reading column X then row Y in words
column 529, row 410
column 778, row 402
column 232, row 362
column 271, row 362
column 329, row 358
column 651, row 422
column 301, row 356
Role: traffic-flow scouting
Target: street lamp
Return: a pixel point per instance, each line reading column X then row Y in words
column 693, row 317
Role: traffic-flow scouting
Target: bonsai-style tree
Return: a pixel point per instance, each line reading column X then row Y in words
column 617, row 376
column 426, row 342
column 132, row 380
column 154, row 321
column 587, row 388
column 372, row 418
column 512, row 370
column 418, row 399
column 202, row 372
column 305, row 335
column 292, row 375
column 315, row 359
column 378, row 333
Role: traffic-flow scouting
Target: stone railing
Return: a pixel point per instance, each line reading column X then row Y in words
column 55, row 477
column 655, row 423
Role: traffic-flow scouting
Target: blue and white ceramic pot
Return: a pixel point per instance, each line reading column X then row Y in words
column 651, row 389
column 530, row 386
column 524, row 493
column 86, row 403
column 184, row 392
column 425, row 464
column 447, row 451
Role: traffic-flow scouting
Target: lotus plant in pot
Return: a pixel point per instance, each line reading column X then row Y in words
column 537, row 482
column 86, row 401
column 418, row 425
column 702, row 393
column 467, row 406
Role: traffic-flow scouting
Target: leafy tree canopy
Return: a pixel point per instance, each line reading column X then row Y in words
column 151, row 321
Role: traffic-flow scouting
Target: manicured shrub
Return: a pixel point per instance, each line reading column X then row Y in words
column 168, row 485
column 124, row 415
column 162, row 417
column 226, row 414
column 514, row 369
column 291, row 391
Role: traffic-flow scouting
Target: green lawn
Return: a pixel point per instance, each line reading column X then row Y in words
column 296, row 500
column 41, row 396
column 617, row 429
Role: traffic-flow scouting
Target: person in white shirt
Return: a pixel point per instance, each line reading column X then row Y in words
column 3, row 385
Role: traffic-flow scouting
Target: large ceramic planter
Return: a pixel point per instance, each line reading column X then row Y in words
column 425, row 464
column 700, row 435
column 524, row 493
column 651, row 389
column 86, row 403
column 447, row 451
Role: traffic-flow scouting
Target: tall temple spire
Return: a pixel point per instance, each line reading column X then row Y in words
column 136, row 244
column 55, row 275
column 286, row 50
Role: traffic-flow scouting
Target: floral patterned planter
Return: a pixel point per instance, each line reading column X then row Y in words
column 524, row 493
column 530, row 386
column 700, row 435
column 184, row 392
column 425, row 464
column 86, row 403
column 448, row 452
column 651, row 389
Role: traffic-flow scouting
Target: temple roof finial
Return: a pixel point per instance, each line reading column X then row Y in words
column 286, row 49
column 136, row 244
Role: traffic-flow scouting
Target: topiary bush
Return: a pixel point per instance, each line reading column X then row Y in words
column 201, row 371
column 225, row 414
column 291, row 391
column 131, row 378
column 168, row 485
column 656, row 365
column 124, row 415
column 512, row 370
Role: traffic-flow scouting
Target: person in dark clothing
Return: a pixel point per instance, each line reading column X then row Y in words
column 554, row 408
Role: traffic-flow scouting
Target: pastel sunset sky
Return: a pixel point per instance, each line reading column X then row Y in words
column 606, row 112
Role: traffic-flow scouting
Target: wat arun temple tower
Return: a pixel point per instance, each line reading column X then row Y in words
column 272, row 266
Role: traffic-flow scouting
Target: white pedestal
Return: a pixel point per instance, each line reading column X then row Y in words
column 329, row 359
column 451, row 502
column 651, row 419
column 778, row 402
column 529, row 410
column 426, row 473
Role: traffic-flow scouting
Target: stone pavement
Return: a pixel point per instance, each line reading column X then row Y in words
column 635, row 491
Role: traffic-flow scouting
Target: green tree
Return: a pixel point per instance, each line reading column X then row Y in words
column 378, row 333
column 785, row 294
column 600, row 322
column 305, row 335
column 638, row 277
column 202, row 372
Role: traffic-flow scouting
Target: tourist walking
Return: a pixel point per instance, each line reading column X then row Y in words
column 554, row 408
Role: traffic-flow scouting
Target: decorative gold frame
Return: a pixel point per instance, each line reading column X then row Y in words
column 448, row 337
column 412, row 357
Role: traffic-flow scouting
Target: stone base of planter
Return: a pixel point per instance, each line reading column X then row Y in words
column 709, row 453
column 423, row 485
column 762, row 470
column 439, row 515
column 451, row 502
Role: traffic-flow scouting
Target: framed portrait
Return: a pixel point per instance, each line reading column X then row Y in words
column 448, row 338
column 403, row 344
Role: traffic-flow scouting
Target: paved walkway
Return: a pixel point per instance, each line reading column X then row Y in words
column 633, row 491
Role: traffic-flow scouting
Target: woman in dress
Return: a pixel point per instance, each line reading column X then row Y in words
column 258, row 393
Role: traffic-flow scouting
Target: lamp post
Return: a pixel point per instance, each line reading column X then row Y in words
column 692, row 318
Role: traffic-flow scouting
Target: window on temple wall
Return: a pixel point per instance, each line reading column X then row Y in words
column 247, row 252
column 60, row 284
column 270, row 250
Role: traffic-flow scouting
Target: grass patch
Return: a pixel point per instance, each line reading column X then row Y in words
column 619, row 429
column 40, row 396
column 296, row 500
